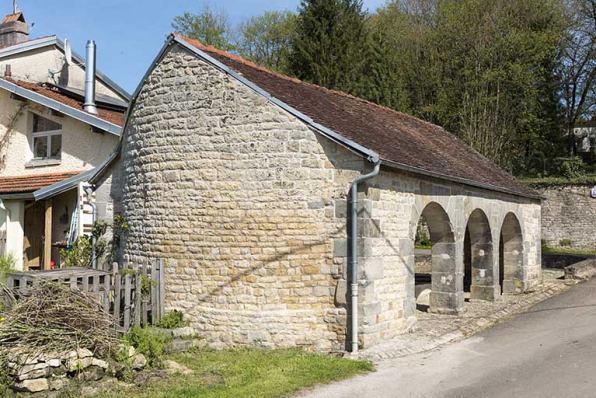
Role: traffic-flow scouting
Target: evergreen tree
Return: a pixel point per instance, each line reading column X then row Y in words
column 328, row 47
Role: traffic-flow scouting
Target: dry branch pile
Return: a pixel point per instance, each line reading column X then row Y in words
column 54, row 318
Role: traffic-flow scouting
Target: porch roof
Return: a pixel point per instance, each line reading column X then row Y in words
column 31, row 183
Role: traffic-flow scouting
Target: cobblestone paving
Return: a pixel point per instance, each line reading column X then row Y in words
column 435, row 330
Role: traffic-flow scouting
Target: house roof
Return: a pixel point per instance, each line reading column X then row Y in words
column 55, row 93
column 53, row 40
column 31, row 183
column 400, row 140
column 108, row 120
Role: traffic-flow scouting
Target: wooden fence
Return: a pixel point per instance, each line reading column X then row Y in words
column 2, row 242
column 134, row 295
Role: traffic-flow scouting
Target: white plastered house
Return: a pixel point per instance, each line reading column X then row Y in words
column 50, row 138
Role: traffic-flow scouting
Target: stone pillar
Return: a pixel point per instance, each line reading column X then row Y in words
column 447, row 295
column 484, row 284
column 513, row 281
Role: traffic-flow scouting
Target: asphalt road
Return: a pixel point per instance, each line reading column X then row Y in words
column 549, row 351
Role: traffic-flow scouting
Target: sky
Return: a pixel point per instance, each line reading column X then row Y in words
column 129, row 33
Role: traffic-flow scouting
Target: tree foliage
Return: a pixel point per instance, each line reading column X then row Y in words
column 211, row 26
column 327, row 47
column 578, row 66
column 511, row 78
column 479, row 68
column 267, row 39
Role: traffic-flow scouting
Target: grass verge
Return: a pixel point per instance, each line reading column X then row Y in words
column 248, row 373
column 556, row 250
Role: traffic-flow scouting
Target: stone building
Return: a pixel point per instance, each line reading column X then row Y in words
column 240, row 178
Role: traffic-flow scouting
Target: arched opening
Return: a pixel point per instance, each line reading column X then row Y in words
column 435, row 262
column 480, row 275
column 511, row 255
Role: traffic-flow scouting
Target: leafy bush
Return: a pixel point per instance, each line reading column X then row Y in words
column 565, row 242
column 148, row 342
column 172, row 320
column 5, row 381
column 7, row 264
column 572, row 168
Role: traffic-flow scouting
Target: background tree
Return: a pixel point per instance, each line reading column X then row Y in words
column 328, row 47
column 267, row 39
column 211, row 26
column 480, row 68
column 578, row 66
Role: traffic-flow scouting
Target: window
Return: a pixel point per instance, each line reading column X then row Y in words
column 46, row 138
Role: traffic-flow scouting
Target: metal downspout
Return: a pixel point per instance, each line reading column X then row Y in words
column 354, row 252
column 89, row 192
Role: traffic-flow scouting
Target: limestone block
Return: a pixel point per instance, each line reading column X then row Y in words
column 35, row 385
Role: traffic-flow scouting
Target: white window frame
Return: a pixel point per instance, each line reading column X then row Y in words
column 48, row 134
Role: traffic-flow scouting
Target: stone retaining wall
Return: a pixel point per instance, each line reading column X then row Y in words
column 569, row 213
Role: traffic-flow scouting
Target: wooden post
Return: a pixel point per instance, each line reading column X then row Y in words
column 47, row 246
column 162, row 288
column 127, row 301
column 117, row 298
column 137, row 294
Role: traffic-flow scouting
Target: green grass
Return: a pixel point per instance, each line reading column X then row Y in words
column 420, row 246
column 248, row 373
column 541, row 182
column 565, row 250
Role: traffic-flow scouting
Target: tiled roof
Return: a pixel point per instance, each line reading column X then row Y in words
column 30, row 183
column 108, row 115
column 398, row 138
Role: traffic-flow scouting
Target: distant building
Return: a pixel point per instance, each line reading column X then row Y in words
column 585, row 135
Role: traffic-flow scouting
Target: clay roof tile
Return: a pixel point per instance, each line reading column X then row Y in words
column 31, row 183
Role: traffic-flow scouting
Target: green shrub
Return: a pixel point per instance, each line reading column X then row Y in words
column 172, row 320
column 565, row 242
column 572, row 167
column 5, row 380
column 148, row 342
column 7, row 264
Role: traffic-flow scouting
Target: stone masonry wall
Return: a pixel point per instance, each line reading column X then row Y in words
column 240, row 198
column 569, row 213
column 248, row 207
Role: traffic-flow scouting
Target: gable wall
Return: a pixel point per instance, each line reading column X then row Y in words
column 34, row 66
column 248, row 207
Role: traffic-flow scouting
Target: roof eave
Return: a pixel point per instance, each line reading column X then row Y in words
column 61, row 186
column 62, row 108
column 464, row 181
column 16, row 196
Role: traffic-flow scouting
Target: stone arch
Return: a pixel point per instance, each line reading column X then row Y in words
column 444, row 297
column 480, row 273
column 511, row 255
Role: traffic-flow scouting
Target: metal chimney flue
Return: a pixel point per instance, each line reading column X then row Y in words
column 89, row 105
